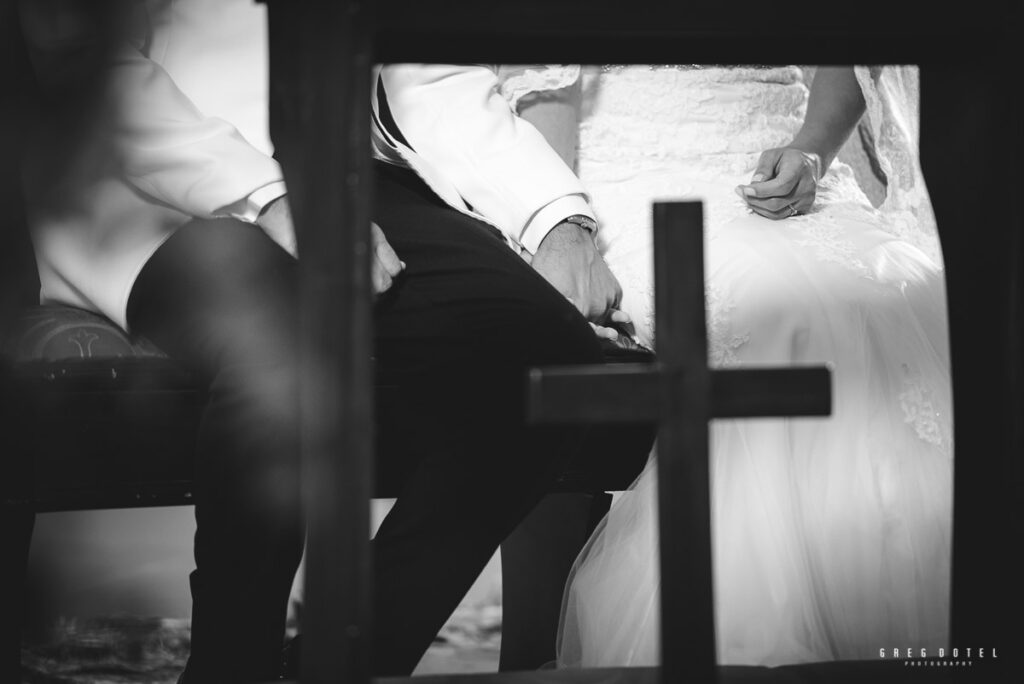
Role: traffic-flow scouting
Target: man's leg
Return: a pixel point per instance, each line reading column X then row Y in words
column 535, row 563
column 220, row 296
column 454, row 337
column 537, row 557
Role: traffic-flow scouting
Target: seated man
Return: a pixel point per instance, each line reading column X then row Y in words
column 171, row 222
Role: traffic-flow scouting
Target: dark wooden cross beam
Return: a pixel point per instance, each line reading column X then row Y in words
column 683, row 394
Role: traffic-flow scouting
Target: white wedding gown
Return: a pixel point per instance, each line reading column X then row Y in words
column 831, row 536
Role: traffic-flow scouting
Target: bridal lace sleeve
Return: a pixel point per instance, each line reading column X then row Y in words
column 892, row 97
column 519, row 80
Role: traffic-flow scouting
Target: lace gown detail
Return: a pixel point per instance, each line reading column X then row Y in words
column 907, row 212
column 831, row 536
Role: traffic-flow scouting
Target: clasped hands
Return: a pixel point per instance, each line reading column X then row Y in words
column 784, row 183
column 567, row 258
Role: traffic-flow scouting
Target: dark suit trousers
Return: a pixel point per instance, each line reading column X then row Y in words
column 453, row 339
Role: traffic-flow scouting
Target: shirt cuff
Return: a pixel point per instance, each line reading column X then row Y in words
column 550, row 216
column 249, row 208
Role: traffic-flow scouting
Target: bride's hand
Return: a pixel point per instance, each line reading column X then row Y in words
column 617, row 320
column 784, row 183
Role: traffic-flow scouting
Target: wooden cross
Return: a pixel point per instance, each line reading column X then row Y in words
column 683, row 394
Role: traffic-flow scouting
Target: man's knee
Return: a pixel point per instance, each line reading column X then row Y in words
column 218, row 292
column 231, row 256
column 553, row 332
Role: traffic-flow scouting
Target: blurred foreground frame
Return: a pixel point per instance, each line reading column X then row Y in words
column 971, row 150
column 970, row 121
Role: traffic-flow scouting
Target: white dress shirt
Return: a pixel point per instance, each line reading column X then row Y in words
column 462, row 137
column 204, row 65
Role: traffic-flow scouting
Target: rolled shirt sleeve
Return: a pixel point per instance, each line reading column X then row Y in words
column 454, row 119
column 173, row 153
column 550, row 216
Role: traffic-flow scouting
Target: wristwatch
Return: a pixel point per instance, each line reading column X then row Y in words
column 582, row 221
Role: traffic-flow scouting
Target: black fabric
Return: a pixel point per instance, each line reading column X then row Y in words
column 387, row 124
column 983, row 251
column 453, row 339
column 464, row 323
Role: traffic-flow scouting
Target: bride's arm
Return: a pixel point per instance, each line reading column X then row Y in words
column 555, row 114
column 834, row 107
column 786, row 178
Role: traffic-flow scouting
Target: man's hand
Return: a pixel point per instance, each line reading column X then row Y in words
column 569, row 260
column 276, row 220
column 784, row 184
column 386, row 265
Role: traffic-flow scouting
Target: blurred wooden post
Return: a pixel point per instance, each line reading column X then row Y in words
column 19, row 287
column 319, row 82
column 684, row 394
column 979, row 128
